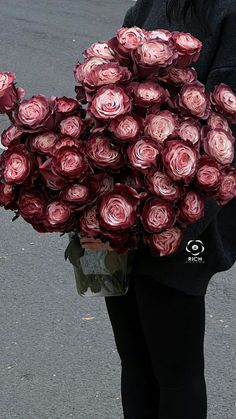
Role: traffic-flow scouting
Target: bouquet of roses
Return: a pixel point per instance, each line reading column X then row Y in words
column 134, row 158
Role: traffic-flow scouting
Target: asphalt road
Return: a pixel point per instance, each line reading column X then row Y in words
column 57, row 352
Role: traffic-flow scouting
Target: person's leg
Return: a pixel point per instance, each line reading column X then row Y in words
column 174, row 327
column 139, row 388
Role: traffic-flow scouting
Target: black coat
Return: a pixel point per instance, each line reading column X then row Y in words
column 217, row 230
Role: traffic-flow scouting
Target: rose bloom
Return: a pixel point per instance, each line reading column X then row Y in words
column 188, row 47
column 160, row 184
column 192, row 207
column 110, row 102
column 126, row 128
column 52, row 180
column 9, row 94
column 167, row 242
column 179, row 76
column 103, row 153
column 130, row 38
column 155, row 53
column 227, row 190
column 180, row 160
column 147, row 94
column 31, row 206
column 72, row 126
column 190, row 130
column 7, row 194
column 66, row 141
column 11, row 136
column 77, row 193
column 35, row 113
column 208, row 176
column 89, row 223
column 159, row 33
column 224, row 100
column 161, row 126
column 17, row 164
column 192, row 99
column 66, row 105
column 157, row 215
column 100, row 49
column 82, row 70
column 118, row 208
column 219, row 144
column 57, row 215
column 69, row 162
column 106, row 185
column 217, row 121
column 104, row 74
column 143, row 154
column 44, row 143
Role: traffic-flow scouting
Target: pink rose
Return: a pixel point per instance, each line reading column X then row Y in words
column 9, row 95
column 161, row 126
column 66, row 141
column 147, row 94
column 143, row 154
column 32, row 206
column 162, row 34
column 44, row 143
column 82, row 70
column 126, row 128
column 76, row 194
column 35, row 114
column 118, row 208
column 219, row 144
column 167, row 242
column 217, row 121
column 66, row 105
column 103, row 153
column 155, row 53
column 180, row 160
column 130, row 38
column 208, row 176
column 110, row 102
column 69, row 162
column 105, row 74
column 224, row 100
column 191, row 207
column 11, row 136
column 72, row 126
column 58, row 215
column 178, row 76
column 100, row 50
column 160, row 184
column 89, row 223
column 7, row 195
column 52, row 180
column 157, row 215
column 227, row 190
column 188, row 46
column 190, row 130
column 192, row 100
column 17, row 164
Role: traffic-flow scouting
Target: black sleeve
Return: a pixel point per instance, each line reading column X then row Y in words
column 129, row 19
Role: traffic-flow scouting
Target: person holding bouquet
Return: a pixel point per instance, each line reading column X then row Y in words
column 159, row 325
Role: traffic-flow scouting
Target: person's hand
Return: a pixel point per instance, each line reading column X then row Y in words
column 90, row 243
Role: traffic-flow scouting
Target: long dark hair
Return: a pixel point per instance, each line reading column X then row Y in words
column 181, row 9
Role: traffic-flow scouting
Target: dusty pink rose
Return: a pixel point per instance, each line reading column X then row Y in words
column 208, row 176
column 118, row 208
column 66, row 141
column 52, row 180
column 219, row 144
column 7, row 194
column 147, row 94
column 167, row 242
column 143, row 154
column 188, row 47
column 161, row 126
column 17, row 164
column 224, row 100
column 157, row 215
column 192, row 100
column 89, row 223
column 130, row 38
column 66, row 105
column 105, row 74
column 9, row 95
column 179, row 76
column 36, row 113
column 227, row 190
column 76, row 193
column 103, row 153
column 126, row 128
column 69, row 162
column 82, row 70
column 72, row 126
column 11, row 136
column 160, row 184
column 101, row 50
column 191, row 207
column 58, row 215
column 190, row 130
column 180, row 160
column 162, row 34
column 32, row 206
column 110, row 102
column 44, row 143
column 217, row 121
column 155, row 53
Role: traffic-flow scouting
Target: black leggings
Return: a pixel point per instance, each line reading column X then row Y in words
column 159, row 334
